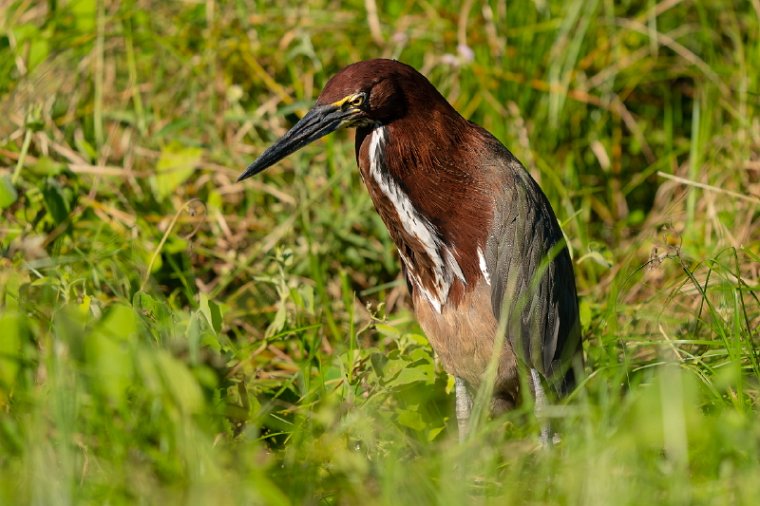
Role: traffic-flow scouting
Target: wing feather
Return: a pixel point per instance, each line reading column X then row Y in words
column 532, row 280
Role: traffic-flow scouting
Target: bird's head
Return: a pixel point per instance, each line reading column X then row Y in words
column 364, row 94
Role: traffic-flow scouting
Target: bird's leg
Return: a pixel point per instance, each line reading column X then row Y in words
column 464, row 407
column 540, row 406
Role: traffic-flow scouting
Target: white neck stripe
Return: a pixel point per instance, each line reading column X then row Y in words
column 445, row 266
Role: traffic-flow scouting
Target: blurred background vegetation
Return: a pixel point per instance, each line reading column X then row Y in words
column 169, row 336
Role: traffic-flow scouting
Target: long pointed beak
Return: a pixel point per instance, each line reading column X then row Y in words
column 318, row 122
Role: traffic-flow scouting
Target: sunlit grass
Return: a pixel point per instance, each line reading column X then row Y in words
column 170, row 336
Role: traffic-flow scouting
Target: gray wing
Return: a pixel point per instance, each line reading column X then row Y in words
column 532, row 281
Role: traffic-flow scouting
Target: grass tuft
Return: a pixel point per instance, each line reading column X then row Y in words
column 168, row 335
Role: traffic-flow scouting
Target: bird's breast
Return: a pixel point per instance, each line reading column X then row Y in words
column 465, row 340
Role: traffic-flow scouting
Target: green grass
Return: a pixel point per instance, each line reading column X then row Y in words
column 169, row 336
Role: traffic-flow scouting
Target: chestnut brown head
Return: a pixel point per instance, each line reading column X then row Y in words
column 364, row 94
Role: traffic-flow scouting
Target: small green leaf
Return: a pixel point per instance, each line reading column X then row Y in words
column 85, row 148
column 279, row 320
column 175, row 165
column 214, row 201
column 46, row 166
column 56, row 201
column 387, row 330
column 8, row 193
column 584, row 308
column 84, row 306
column 212, row 312
column 307, row 296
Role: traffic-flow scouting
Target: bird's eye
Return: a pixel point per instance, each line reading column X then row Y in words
column 357, row 100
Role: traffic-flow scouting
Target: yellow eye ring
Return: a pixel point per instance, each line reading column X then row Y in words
column 357, row 100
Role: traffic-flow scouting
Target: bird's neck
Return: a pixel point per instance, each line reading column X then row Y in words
column 430, row 193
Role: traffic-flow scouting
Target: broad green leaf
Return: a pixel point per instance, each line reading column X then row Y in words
column 120, row 322
column 10, row 347
column 331, row 373
column 38, row 51
column 175, row 244
column 10, row 286
column 25, row 32
column 175, row 165
column 433, row 433
column 111, row 366
column 418, row 354
column 416, row 373
column 84, row 12
column 195, row 333
column 214, row 201
column 180, row 383
column 155, row 311
column 149, row 376
column 108, row 351
column 31, row 44
column 411, row 418
column 666, row 413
